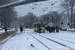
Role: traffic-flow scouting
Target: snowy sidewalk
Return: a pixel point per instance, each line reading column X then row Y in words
column 19, row 42
column 3, row 31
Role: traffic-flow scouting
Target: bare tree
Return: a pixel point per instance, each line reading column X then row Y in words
column 69, row 4
column 65, row 5
column 28, row 20
column 7, row 15
column 53, row 17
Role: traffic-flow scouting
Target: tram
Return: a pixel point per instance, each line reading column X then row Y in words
column 39, row 27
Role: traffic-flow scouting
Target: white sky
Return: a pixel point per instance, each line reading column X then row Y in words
column 42, row 8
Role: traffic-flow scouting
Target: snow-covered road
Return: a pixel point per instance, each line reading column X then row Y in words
column 23, row 41
column 52, row 45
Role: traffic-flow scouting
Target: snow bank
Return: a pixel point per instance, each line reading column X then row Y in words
column 71, row 29
column 2, row 31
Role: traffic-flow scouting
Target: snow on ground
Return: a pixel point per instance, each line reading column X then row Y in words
column 50, row 44
column 18, row 42
column 2, row 31
column 23, row 41
column 68, row 42
column 71, row 29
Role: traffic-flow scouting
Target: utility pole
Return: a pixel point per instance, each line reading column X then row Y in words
column 72, row 7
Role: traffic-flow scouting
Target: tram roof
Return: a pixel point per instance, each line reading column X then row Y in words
column 39, row 22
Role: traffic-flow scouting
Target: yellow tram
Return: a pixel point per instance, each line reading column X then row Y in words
column 39, row 27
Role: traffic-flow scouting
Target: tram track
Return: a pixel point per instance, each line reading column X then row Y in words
column 63, row 36
column 61, row 39
column 55, row 42
column 71, row 30
column 39, row 41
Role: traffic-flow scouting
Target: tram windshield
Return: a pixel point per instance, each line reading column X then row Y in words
column 42, row 25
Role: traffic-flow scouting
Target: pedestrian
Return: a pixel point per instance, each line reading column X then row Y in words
column 21, row 29
column 57, row 28
column 47, row 28
column 50, row 29
column 5, row 29
column 53, row 29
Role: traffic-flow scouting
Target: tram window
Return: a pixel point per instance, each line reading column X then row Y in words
column 42, row 25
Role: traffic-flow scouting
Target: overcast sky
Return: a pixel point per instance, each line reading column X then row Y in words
column 38, row 8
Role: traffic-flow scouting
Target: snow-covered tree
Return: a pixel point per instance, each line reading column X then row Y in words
column 69, row 5
column 28, row 20
column 52, row 17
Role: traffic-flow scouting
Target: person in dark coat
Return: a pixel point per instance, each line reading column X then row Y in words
column 53, row 29
column 57, row 28
column 21, row 29
column 50, row 29
column 47, row 28
column 5, row 29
